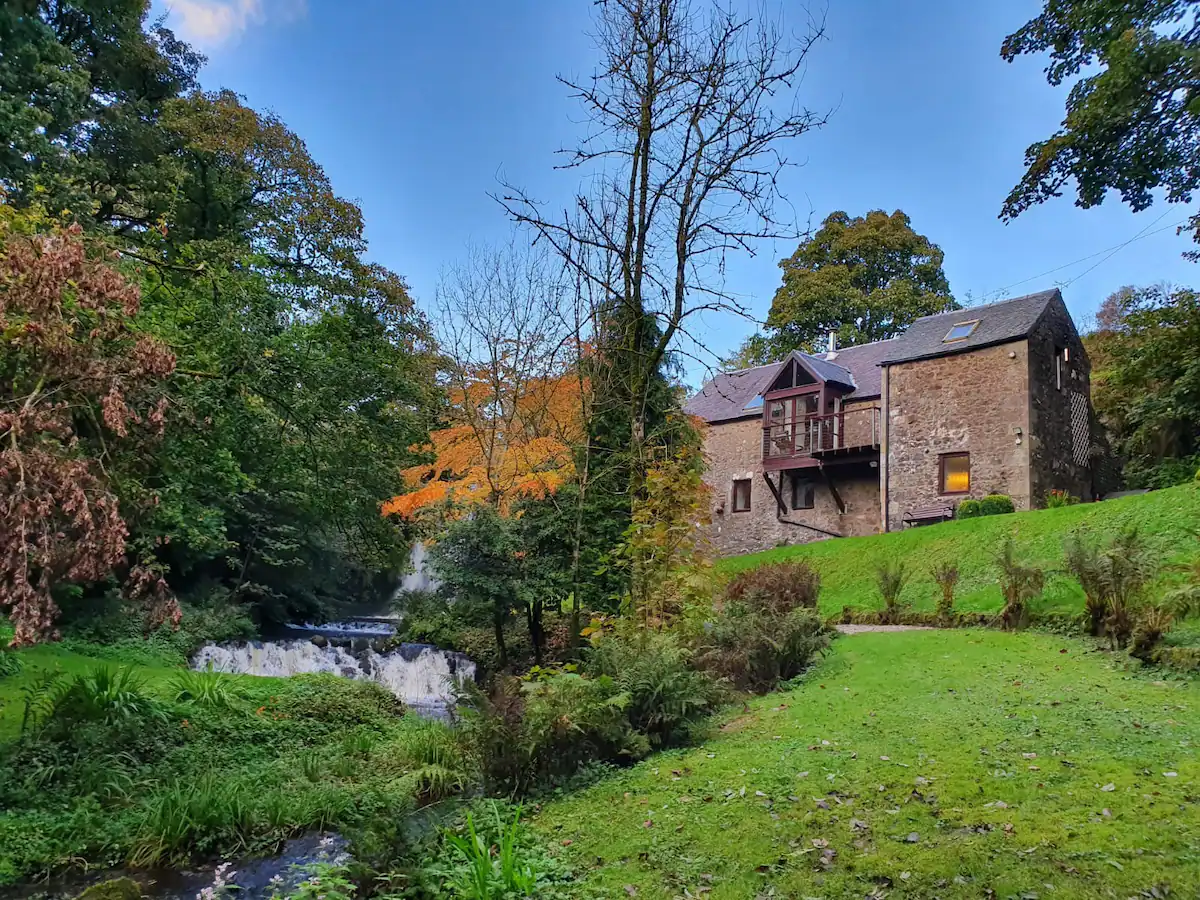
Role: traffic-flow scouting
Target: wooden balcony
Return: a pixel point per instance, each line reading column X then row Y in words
column 848, row 436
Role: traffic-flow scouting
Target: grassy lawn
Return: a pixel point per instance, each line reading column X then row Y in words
column 1167, row 519
column 931, row 763
column 157, row 672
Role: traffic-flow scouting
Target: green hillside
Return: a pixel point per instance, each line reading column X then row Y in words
column 952, row 764
column 1168, row 519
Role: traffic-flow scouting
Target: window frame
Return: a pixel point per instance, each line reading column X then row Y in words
column 973, row 323
column 733, row 495
column 943, row 459
column 811, row 492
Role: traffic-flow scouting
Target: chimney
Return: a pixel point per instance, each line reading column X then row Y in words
column 832, row 342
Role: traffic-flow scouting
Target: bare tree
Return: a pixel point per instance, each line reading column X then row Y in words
column 689, row 110
column 499, row 322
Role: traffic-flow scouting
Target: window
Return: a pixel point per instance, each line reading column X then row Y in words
column 741, row 495
column 803, row 493
column 1061, row 358
column 960, row 331
column 955, row 472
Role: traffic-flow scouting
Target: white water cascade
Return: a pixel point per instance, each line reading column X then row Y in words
column 420, row 675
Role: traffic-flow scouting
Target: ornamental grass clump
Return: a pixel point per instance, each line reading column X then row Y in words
column 945, row 576
column 891, row 577
column 1114, row 578
column 1019, row 584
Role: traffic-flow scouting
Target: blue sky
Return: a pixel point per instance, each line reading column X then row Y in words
column 415, row 110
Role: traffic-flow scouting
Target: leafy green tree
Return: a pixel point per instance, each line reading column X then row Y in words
column 82, row 83
column 1134, row 125
column 480, row 560
column 1146, row 382
column 866, row 278
column 304, row 373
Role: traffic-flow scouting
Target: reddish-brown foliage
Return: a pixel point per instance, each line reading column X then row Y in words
column 76, row 382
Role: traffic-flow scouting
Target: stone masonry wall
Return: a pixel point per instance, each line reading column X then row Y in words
column 734, row 451
column 1053, row 465
column 972, row 402
column 859, row 425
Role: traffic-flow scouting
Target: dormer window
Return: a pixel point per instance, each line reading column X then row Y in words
column 960, row 331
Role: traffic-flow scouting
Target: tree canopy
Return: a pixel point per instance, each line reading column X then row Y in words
column 866, row 278
column 302, row 374
column 1134, row 125
column 1146, row 382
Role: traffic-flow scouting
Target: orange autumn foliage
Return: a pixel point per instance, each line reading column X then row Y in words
column 498, row 451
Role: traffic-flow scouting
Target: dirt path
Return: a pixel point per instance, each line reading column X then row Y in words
column 863, row 629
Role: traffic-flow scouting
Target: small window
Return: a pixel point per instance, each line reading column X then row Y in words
column 803, row 493
column 1060, row 361
column 741, row 495
column 955, row 472
column 961, row 331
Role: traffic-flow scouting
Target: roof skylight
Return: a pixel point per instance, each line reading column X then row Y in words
column 960, row 331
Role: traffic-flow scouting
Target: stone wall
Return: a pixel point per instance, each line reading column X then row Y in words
column 1053, row 402
column 977, row 402
column 860, row 426
column 734, row 451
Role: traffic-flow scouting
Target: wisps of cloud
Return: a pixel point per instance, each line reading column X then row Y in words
column 211, row 23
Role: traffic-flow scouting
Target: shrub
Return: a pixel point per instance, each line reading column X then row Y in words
column 996, row 505
column 1018, row 584
column 667, row 697
column 331, row 704
column 781, row 586
column 439, row 765
column 753, row 648
column 969, row 509
column 490, row 856
column 207, row 689
column 945, row 576
column 525, row 734
column 1113, row 578
column 1152, row 624
column 104, row 696
column 1059, row 499
column 891, row 577
column 10, row 664
column 193, row 815
column 489, row 875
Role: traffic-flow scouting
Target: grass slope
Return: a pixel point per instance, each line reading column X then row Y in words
column 910, row 755
column 1167, row 519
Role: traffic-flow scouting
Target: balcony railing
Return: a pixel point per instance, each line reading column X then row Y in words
column 854, row 429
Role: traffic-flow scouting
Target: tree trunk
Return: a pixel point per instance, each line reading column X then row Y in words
column 498, row 624
column 533, row 612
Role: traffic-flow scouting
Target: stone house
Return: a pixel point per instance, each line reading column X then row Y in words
column 992, row 399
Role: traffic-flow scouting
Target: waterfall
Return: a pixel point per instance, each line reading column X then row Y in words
column 420, row 578
column 420, row 675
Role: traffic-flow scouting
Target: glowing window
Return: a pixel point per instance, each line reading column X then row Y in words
column 955, row 472
column 961, row 331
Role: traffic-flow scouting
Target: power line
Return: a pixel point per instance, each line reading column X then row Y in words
column 1121, row 247
column 1111, row 251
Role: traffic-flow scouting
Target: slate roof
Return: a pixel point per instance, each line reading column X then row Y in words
column 1008, row 320
column 727, row 395
column 863, row 364
column 825, row 370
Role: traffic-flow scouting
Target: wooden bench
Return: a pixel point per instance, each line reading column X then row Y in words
column 929, row 515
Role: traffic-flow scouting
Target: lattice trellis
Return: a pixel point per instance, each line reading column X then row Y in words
column 1081, row 437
